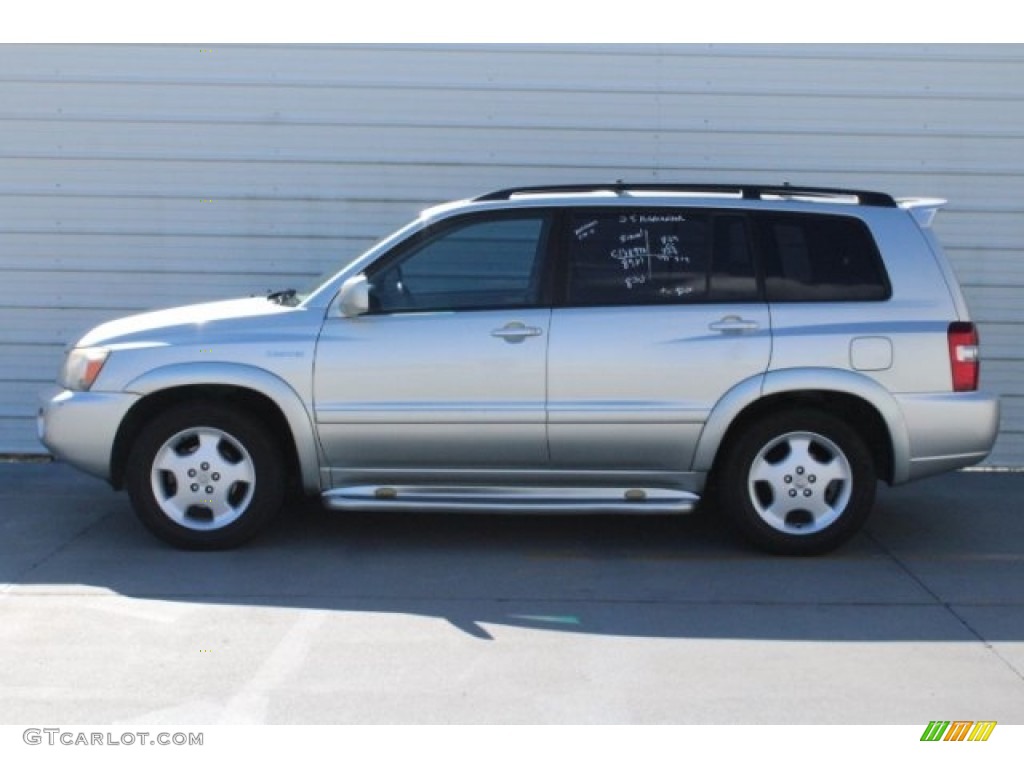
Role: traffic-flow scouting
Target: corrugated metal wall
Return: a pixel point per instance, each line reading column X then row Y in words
column 134, row 177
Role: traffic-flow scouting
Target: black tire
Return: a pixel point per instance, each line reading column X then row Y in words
column 205, row 476
column 799, row 482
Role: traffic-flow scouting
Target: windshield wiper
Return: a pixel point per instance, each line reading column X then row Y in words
column 285, row 297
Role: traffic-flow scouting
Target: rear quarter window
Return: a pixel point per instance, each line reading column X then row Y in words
column 813, row 257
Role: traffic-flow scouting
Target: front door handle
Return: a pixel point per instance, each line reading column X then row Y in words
column 734, row 324
column 515, row 333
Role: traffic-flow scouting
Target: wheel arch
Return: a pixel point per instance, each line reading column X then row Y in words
column 254, row 390
column 859, row 401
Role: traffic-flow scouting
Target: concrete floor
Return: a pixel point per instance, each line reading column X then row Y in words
column 345, row 619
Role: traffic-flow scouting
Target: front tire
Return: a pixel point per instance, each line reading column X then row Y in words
column 799, row 482
column 204, row 476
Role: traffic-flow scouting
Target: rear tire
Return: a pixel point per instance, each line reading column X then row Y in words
column 800, row 482
column 204, row 476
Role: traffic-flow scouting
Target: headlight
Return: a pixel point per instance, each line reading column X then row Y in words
column 82, row 366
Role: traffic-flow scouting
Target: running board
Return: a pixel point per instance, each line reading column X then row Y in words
column 502, row 499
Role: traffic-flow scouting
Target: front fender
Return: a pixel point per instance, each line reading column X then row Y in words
column 795, row 381
column 248, row 377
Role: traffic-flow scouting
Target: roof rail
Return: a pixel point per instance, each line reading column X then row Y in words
column 746, row 191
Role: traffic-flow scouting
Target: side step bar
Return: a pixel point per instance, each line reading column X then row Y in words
column 501, row 499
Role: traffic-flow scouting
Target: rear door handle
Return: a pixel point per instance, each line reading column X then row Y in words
column 515, row 333
column 734, row 324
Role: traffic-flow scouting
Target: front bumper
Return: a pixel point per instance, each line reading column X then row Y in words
column 80, row 427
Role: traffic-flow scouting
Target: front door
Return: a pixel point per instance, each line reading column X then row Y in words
column 447, row 371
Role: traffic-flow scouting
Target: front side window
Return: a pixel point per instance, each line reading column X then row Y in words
column 481, row 263
column 659, row 256
column 820, row 258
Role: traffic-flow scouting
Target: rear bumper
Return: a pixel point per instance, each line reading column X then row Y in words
column 947, row 431
column 80, row 427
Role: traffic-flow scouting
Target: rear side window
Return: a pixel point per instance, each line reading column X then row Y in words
column 667, row 256
column 820, row 258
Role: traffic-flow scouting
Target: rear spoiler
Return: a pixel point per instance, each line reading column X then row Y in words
column 923, row 209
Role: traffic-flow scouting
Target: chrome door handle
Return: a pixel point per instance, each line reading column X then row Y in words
column 515, row 333
column 734, row 324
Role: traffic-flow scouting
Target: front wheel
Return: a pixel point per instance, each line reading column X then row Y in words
column 203, row 476
column 798, row 482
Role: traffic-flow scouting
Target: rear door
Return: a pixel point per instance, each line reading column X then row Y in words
column 661, row 316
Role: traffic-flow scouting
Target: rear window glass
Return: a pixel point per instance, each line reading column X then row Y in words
column 820, row 258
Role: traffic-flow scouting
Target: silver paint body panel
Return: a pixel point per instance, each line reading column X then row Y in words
column 599, row 397
column 432, row 390
column 630, row 388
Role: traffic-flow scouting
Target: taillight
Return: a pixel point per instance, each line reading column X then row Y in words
column 963, row 356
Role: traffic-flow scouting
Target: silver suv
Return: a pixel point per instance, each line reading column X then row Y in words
column 626, row 348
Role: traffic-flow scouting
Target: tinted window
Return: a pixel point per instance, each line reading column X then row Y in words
column 476, row 264
column 658, row 257
column 820, row 258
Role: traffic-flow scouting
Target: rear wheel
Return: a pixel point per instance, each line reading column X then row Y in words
column 798, row 482
column 202, row 476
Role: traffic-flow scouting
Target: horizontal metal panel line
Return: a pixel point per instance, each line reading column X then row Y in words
column 398, row 200
column 896, row 52
column 124, row 309
column 162, row 234
column 197, row 197
column 471, row 89
column 276, row 275
column 661, row 170
column 660, row 128
column 485, row 170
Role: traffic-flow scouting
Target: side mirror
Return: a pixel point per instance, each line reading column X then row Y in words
column 354, row 297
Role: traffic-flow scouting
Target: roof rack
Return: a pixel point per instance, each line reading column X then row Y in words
column 746, row 191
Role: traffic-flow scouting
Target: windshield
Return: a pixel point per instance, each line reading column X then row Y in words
column 324, row 281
